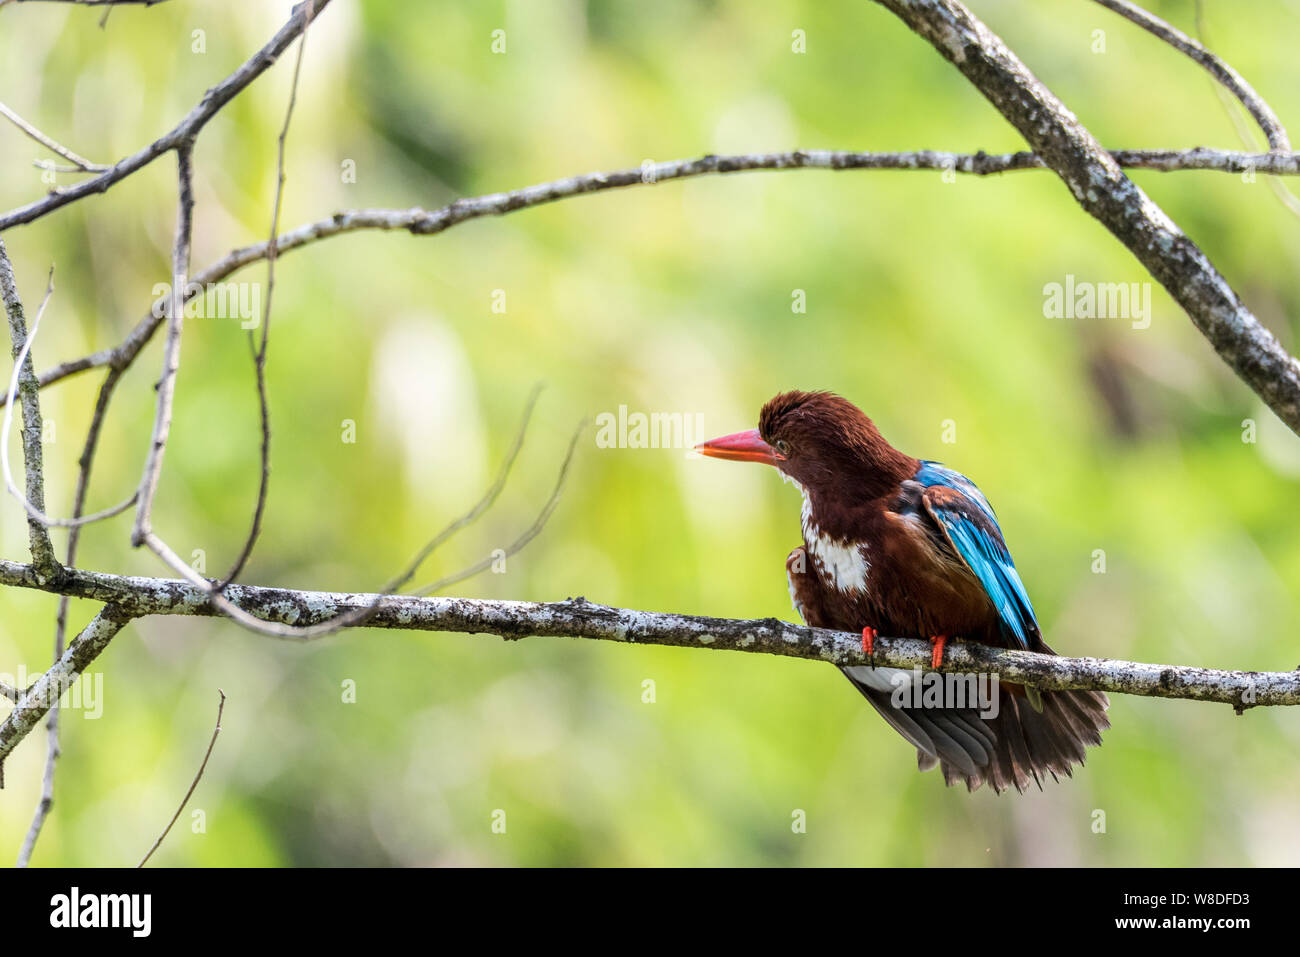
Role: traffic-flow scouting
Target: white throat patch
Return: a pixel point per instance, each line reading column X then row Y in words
column 843, row 564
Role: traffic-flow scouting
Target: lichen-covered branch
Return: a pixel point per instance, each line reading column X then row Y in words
column 428, row 222
column 579, row 618
column 1101, row 188
column 29, row 397
column 35, row 701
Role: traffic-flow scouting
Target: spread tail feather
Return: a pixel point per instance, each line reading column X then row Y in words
column 1019, row 746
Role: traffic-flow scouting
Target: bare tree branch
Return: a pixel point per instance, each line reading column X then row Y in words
column 424, row 222
column 361, row 616
column 579, row 618
column 528, row 535
column 1101, row 188
column 489, row 497
column 93, row 3
column 217, row 603
column 45, row 691
column 183, row 147
column 181, row 135
column 53, row 747
column 1244, row 132
column 105, row 394
column 274, row 629
column 259, row 353
column 1224, row 74
column 221, row 709
column 33, row 511
column 171, row 350
column 33, row 466
column 22, row 364
column 79, row 164
column 46, row 802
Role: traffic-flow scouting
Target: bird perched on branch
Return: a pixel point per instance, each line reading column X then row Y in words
column 898, row 546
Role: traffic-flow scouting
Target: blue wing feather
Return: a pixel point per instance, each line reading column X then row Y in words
column 978, row 539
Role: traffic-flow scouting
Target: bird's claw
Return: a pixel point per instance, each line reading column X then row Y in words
column 936, row 659
column 869, row 641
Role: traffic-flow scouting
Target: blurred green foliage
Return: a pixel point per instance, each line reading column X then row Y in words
column 924, row 304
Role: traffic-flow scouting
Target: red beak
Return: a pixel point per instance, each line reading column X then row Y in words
column 741, row 447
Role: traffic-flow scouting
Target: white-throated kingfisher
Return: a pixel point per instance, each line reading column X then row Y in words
column 898, row 546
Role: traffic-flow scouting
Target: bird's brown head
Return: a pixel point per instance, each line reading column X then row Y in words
column 819, row 439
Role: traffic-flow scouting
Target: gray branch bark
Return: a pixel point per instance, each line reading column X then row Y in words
column 1101, row 188
column 79, row 163
column 127, row 597
column 184, row 132
column 29, row 398
column 1225, row 75
column 44, row 692
column 426, row 222
column 175, row 315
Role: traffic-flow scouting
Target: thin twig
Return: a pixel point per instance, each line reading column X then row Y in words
column 1224, row 74
column 528, row 535
column 182, row 135
column 489, row 497
column 1280, row 190
column 171, row 350
column 93, row 3
column 53, row 167
column 221, row 707
column 222, row 604
column 358, row 618
column 46, row 802
column 259, row 354
column 33, row 511
column 79, row 163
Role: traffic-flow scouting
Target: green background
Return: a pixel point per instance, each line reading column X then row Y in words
column 924, row 306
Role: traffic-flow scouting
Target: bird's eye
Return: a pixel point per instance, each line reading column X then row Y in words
column 783, row 446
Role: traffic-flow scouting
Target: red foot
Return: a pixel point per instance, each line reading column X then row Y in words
column 868, row 640
column 938, row 641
